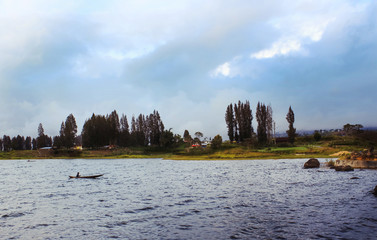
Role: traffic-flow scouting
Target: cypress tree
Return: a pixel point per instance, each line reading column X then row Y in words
column 291, row 130
column 229, row 119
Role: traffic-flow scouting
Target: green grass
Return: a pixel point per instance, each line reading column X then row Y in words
column 308, row 149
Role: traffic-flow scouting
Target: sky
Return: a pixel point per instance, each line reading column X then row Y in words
column 187, row 59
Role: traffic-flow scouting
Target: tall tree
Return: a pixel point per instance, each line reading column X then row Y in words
column 18, row 143
column 229, row 119
column 141, row 134
column 124, row 137
column 261, row 116
column 240, row 126
column 269, row 123
column 95, row 132
column 133, row 134
column 247, row 120
column 291, row 130
column 154, row 128
column 124, row 127
column 114, row 127
column 68, row 131
column 28, row 143
column 41, row 139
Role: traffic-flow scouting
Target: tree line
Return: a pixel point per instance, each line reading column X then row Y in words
column 149, row 130
column 99, row 131
column 21, row 143
column 145, row 130
column 239, row 117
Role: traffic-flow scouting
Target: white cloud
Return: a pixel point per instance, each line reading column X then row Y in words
column 296, row 32
column 229, row 69
column 223, row 69
column 281, row 47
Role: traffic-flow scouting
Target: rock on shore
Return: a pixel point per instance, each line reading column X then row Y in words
column 312, row 163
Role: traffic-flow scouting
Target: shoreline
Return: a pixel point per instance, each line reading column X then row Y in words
column 169, row 156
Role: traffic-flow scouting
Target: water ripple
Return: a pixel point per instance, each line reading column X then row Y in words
column 160, row 199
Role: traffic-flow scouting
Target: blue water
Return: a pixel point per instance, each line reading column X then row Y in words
column 163, row 199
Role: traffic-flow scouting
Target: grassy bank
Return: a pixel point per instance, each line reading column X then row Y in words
column 236, row 152
column 305, row 147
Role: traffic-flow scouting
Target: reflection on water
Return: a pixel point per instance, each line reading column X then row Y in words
column 161, row 199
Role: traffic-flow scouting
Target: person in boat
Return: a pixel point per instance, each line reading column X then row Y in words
column 78, row 174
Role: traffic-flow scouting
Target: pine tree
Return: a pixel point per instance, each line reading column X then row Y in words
column 41, row 139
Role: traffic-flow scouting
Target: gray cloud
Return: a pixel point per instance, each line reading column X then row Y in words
column 319, row 58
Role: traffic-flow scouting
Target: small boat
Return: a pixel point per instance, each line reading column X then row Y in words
column 93, row 176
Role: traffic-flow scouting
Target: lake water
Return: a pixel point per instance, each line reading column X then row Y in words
column 163, row 199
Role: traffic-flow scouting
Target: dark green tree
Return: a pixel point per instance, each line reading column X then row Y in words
column 28, row 143
column 68, row 131
column 229, row 119
column 113, row 127
column 240, row 124
column 216, row 142
column 291, row 130
column 95, row 132
column 7, row 143
column 14, row 145
column 269, row 124
column 261, row 116
column 57, row 142
column 155, row 128
column 141, row 136
column 124, row 135
column 167, row 139
column 133, row 134
column 42, row 138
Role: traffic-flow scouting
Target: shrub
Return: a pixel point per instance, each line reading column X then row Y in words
column 317, row 136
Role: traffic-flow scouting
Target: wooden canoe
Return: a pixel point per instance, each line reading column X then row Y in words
column 93, row 176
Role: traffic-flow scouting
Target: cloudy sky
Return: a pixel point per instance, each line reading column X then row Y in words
column 188, row 60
